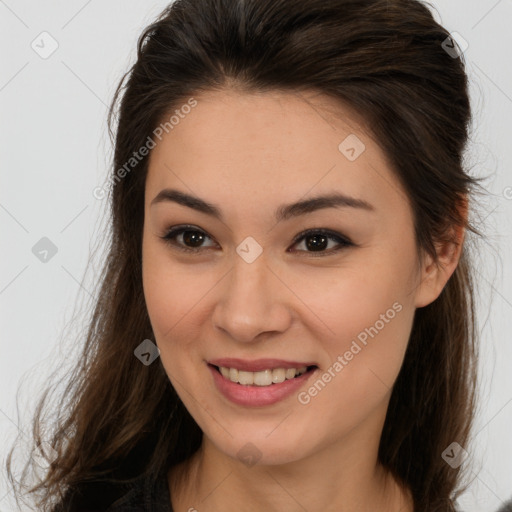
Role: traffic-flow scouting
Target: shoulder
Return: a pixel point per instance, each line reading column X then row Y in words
column 146, row 493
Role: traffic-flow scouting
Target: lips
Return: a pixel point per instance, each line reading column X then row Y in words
column 258, row 365
column 260, row 391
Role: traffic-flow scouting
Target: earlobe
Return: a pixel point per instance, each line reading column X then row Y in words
column 435, row 275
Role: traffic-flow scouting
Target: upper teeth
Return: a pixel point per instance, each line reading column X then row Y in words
column 263, row 378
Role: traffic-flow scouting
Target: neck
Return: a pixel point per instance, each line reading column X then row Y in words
column 336, row 478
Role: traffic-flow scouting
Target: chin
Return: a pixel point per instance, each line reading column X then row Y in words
column 265, row 450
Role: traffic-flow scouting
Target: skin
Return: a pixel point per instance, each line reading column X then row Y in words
column 248, row 154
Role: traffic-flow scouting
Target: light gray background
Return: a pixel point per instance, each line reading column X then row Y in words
column 55, row 151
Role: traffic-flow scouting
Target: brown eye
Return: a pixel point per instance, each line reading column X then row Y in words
column 317, row 241
column 191, row 238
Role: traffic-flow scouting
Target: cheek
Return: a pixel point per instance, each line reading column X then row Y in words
column 176, row 298
column 162, row 287
column 167, row 315
column 343, row 303
column 369, row 315
column 365, row 361
column 170, row 291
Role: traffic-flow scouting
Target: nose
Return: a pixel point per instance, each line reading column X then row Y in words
column 253, row 302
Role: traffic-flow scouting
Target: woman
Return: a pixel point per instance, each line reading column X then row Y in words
column 286, row 317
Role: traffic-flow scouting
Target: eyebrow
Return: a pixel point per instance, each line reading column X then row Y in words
column 283, row 212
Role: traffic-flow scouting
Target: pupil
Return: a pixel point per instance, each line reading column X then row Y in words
column 314, row 242
column 193, row 237
column 315, row 245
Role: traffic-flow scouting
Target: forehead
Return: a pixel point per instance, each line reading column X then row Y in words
column 270, row 148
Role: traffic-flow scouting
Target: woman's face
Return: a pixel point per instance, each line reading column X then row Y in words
column 251, row 297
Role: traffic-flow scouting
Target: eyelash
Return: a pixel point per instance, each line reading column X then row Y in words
column 343, row 242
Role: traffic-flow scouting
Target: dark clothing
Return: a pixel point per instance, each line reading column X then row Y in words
column 146, row 494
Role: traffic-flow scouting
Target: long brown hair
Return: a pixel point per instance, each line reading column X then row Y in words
column 387, row 59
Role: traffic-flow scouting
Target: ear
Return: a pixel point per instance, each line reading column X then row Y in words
column 435, row 275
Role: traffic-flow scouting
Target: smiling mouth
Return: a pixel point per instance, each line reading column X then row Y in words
column 262, row 378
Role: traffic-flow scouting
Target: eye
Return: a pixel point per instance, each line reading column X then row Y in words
column 318, row 239
column 188, row 234
column 190, row 239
